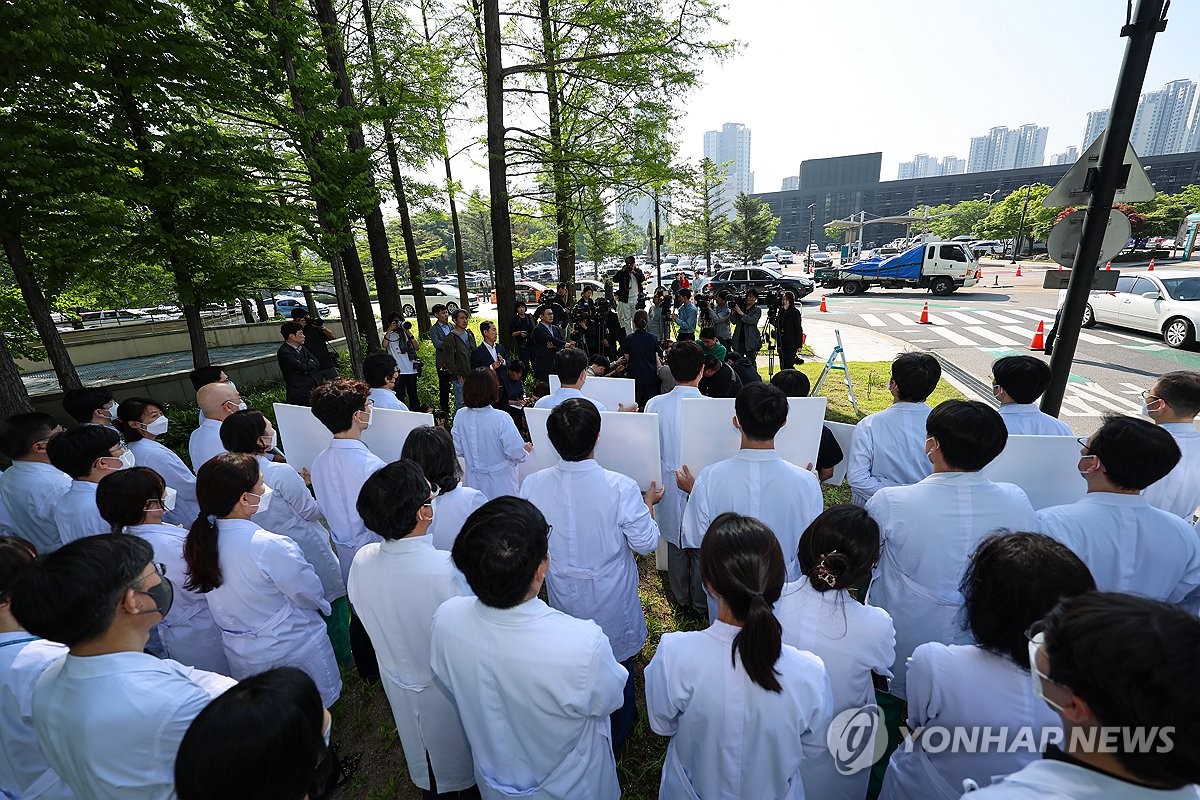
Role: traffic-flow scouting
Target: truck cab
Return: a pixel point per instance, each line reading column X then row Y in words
column 940, row 267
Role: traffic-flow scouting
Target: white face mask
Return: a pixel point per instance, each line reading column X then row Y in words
column 367, row 422
column 112, row 410
column 264, row 499
column 267, row 442
column 1040, row 680
column 168, row 500
column 127, row 461
column 242, row 406
column 158, row 427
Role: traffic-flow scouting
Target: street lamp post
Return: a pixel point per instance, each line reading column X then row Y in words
column 812, row 216
column 1021, row 225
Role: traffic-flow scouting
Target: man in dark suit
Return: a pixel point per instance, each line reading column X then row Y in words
column 547, row 340
column 491, row 353
column 298, row 365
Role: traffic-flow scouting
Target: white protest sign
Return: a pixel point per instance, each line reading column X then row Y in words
column 303, row 437
column 1046, row 467
column 628, row 444
column 612, row 392
column 709, row 435
column 389, row 428
column 844, row 434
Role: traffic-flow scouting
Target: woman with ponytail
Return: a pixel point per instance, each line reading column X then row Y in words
column 857, row 643
column 134, row 501
column 741, row 707
column 264, row 596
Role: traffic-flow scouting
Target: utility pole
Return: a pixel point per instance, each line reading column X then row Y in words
column 1145, row 23
column 1021, row 224
column 658, row 240
column 812, row 216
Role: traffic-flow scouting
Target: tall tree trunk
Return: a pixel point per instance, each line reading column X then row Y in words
column 563, row 221
column 381, row 256
column 506, row 292
column 261, row 306
column 14, row 397
column 247, row 311
column 39, row 311
column 420, row 306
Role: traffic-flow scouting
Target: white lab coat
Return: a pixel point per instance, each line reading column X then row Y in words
column 1179, row 490
column 965, row 686
column 338, row 474
column 205, row 442
column 731, row 738
column 396, row 586
column 31, row 491
column 76, row 514
column 295, row 514
column 929, row 532
column 888, row 450
column 759, row 484
column 598, row 517
column 669, row 407
column 24, row 770
column 269, row 607
column 1051, row 779
column 564, row 394
column 1026, row 419
column 1130, row 546
column 386, row 398
column 110, row 725
column 450, row 511
column 175, row 473
column 488, row 441
column 852, row 640
column 7, row 528
column 534, row 688
column 188, row 634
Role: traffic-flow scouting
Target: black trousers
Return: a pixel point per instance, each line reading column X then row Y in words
column 364, row 652
column 787, row 357
column 432, row 792
column 407, row 385
column 445, row 380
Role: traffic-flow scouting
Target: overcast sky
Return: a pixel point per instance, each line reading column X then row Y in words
column 817, row 78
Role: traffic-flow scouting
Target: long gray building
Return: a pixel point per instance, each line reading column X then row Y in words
column 844, row 185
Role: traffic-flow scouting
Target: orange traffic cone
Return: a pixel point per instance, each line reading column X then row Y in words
column 1039, row 337
column 1108, row 265
column 924, row 320
column 1151, row 268
column 823, row 306
column 1018, row 270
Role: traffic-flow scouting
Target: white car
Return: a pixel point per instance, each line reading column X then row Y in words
column 785, row 256
column 1165, row 303
column 435, row 293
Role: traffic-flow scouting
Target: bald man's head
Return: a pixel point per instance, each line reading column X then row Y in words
column 218, row 400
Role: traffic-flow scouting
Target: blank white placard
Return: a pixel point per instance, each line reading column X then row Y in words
column 1046, row 467
column 709, row 435
column 389, row 428
column 628, row 444
column 301, row 435
column 612, row 392
column 844, row 433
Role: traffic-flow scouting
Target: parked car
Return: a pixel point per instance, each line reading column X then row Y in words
column 785, row 256
column 987, row 247
column 1165, row 303
column 739, row 279
column 284, row 306
column 769, row 260
column 530, row 291
column 435, row 293
column 818, row 260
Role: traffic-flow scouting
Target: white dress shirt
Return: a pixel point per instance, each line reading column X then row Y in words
column 731, row 738
column 31, row 491
column 7, row 528
column 269, row 607
column 396, row 586
column 945, row 690
column 929, row 531
column 188, row 634
column 1130, row 546
column 598, row 517
column 175, row 473
column 1026, row 419
column 295, row 514
column 488, row 441
column 76, row 514
column 759, row 484
column 564, row 394
column 111, row 725
column 1052, row 779
column 338, row 474
column 669, row 407
column 386, row 398
column 534, row 688
column 205, row 442
column 1179, row 490
column 852, row 640
column 450, row 511
column 888, row 450
column 24, row 770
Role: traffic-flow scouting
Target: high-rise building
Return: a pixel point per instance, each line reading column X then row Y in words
column 923, row 166
column 731, row 144
column 1070, row 156
column 1097, row 121
column 1161, row 124
column 953, row 165
column 1001, row 148
column 1030, row 148
column 791, row 184
column 1193, row 142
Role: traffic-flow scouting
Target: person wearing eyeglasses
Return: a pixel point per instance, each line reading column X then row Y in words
column 1017, row 382
column 1173, row 403
column 1114, row 663
column 380, row 371
column 396, row 586
column 109, row 717
column 87, row 454
column 1129, row 545
column 91, row 405
column 32, row 486
column 142, row 421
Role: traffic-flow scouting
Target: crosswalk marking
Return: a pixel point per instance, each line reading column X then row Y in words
column 950, row 335
column 902, row 319
column 873, row 321
column 994, row 316
column 1028, row 315
column 962, row 317
column 991, row 335
column 1020, row 330
column 1093, row 339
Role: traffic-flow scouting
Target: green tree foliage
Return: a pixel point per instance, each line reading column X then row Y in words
column 1004, row 217
column 752, row 228
column 703, row 227
column 964, row 219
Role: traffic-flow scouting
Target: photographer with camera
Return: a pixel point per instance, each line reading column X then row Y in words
column 521, row 330
column 716, row 316
column 586, row 304
column 746, row 315
column 629, row 290
column 402, row 345
column 585, row 335
column 316, row 339
column 612, row 336
column 660, row 315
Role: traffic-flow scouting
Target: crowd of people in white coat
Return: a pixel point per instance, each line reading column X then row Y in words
column 165, row 632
